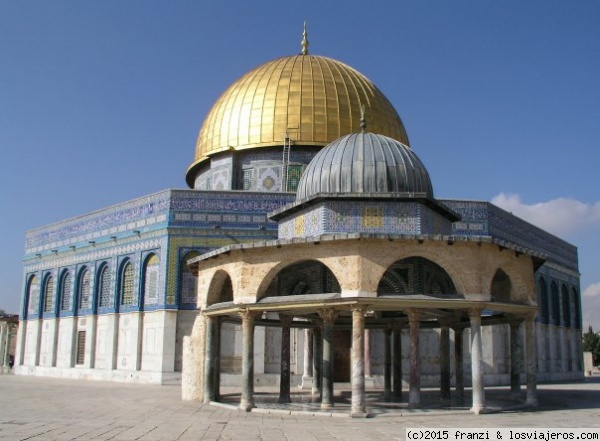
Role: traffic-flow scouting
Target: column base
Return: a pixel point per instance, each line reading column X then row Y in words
column 326, row 406
column 478, row 410
column 246, row 406
column 360, row 414
column 532, row 401
column 284, row 400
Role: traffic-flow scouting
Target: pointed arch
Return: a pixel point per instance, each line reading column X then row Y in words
column 84, row 289
column 105, row 291
column 415, row 275
column 555, row 302
column 126, row 284
column 66, row 291
column 501, row 288
column 188, row 281
column 566, row 306
column 33, row 295
column 151, row 279
column 48, row 294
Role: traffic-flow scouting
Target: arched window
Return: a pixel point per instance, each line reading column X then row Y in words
column 566, row 310
column 189, row 282
column 84, row 289
column 126, row 285
column 33, row 295
column 151, row 280
column 105, row 298
column 542, row 301
column 66, row 293
column 49, row 294
column 555, row 302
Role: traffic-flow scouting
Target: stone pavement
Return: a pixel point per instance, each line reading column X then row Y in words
column 56, row 409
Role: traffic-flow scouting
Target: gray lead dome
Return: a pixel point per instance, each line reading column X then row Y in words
column 365, row 163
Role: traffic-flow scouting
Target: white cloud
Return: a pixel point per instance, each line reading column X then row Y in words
column 559, row 216
column 592, row 291
column 591, row 307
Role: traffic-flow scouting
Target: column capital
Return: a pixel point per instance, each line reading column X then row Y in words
column 359, row 308
column 250, row 315
column 396, row 325
column 328, row 315
column 414, row 315
column 475, row 311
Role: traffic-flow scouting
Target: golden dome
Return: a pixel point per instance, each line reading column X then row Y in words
column 313, row 99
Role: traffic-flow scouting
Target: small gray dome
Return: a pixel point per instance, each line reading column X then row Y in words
column 365, row 163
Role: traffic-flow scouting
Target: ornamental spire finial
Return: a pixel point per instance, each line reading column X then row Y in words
column 304, row 40
column 363, row 120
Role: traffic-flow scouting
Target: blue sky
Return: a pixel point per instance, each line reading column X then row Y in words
column 101, row 102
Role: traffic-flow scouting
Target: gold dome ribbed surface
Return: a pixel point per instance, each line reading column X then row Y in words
column 312, row 98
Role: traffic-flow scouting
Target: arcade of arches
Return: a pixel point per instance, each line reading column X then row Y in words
column 341, row 289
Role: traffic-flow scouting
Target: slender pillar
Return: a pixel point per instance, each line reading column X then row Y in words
column 7, row 345
column 359, row 408
column 397, row 362
column 459, row 380
column 209, row 359
column 317, row 361
column 247, row 400
column 367, row 353
column 387, row 365
column 217, row 358
column 477, row 362
column 530, row 360
column 516, row 355
column 414, row 393
column 444, row 361
column 328, row 316
column 284, row 381
column 308, row 355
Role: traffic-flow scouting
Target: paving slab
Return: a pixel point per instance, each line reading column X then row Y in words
column 34, row 408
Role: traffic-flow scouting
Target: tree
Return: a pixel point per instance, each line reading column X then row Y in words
column 591, row 343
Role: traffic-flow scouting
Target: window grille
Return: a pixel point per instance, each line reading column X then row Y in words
column 65, row 292
column 84, row 289
column 189, row 282
column 151, row 278
column 127, row 297
column 80, row 347
column 34, row 295
column 105, row 290
column 49, row 294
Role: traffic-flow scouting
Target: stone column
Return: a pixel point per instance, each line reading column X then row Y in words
column 477, row 362
column 516, row 355
column 247, row 400
column 317, row 361
column 397, row 362
column 307, row 374
column 444, row 361
column 328, row 316
column 367, row 353
column 387, row 365
column 210, row 364
column 284, row 381
column 530, row 360
column 414, row 394
column 359, row 408
column 459, row 381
